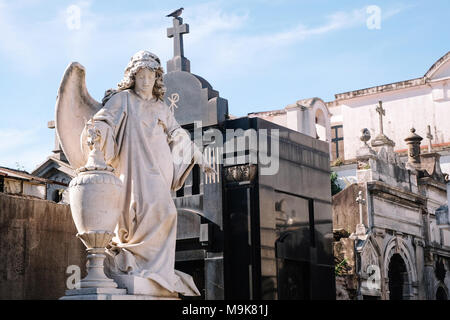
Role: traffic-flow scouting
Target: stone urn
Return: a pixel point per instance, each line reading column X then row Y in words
column 94, row 200
column 95, row 195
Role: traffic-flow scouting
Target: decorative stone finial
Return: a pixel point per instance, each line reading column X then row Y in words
column 365, row 152
column 365, row 136
column 413, row 142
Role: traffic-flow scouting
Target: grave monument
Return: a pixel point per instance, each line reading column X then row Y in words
column 255, row 225
column 260, row 228
column 134, row 163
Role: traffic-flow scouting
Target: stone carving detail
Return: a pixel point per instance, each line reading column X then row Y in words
column 365, row 152
column 173, row 99
column 419, row 242
column 94, row 179
column 240, row 173
column 368, row 257
column 365, row 136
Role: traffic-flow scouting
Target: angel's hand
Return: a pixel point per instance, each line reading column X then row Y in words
column 208, row 170
column 93, row 136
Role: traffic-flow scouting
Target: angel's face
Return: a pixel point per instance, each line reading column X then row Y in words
column 145, row 80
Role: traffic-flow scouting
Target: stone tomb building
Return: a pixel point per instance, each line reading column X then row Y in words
column 261, row 228
column 423, row 102
column 22, row 183
column 397, row 248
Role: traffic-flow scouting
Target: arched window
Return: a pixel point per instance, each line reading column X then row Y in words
column 321, row 127
column 398, row 278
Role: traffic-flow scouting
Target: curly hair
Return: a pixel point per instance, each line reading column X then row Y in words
column 142, row 59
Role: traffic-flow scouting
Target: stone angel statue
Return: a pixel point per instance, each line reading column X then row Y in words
column 150, row 153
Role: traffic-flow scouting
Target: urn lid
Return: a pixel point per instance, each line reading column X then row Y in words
column 413, row 137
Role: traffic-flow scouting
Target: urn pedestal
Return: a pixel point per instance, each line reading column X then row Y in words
column 95, row 197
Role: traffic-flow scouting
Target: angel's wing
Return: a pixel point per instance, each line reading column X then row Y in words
column 74, row 106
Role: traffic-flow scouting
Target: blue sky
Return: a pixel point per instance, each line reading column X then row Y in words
column 260, row 54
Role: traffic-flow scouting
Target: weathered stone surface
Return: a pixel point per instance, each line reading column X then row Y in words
column 345, row 210
column 37, row 244
column 193, row 99
column 403, row 237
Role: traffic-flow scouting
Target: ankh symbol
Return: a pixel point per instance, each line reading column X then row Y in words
column 173, row 99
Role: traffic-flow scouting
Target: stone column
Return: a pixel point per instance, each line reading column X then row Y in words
column 448, row 192
column 299, row 118
column 420, row 267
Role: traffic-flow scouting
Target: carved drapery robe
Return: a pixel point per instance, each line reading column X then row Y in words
column 140, row 139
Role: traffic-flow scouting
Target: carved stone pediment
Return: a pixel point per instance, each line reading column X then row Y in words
column 241, row 173
column 369, row 257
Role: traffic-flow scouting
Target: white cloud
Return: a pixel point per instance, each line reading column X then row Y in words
column 232, row 51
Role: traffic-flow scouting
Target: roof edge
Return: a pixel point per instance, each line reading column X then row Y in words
column 395, row 85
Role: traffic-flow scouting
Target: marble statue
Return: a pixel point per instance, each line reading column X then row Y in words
column 151, row 155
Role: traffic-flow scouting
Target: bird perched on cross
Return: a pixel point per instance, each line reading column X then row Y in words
column 176, row 13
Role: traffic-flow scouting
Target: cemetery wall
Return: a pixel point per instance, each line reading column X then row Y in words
column 37, row 244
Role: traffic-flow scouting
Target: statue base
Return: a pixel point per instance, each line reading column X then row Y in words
column 143, row 286
column 109, row 294
column 360, row 233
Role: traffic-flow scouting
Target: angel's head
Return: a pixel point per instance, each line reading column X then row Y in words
column 147, row 67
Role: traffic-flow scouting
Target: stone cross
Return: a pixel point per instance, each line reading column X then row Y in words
column 57, row 148
column 360, row 201
column 381, row 112
column 176, row 32
column 429, row 137
column 179, row 62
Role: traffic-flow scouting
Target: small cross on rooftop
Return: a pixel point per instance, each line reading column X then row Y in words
column 430, row 138
column 381, row 112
